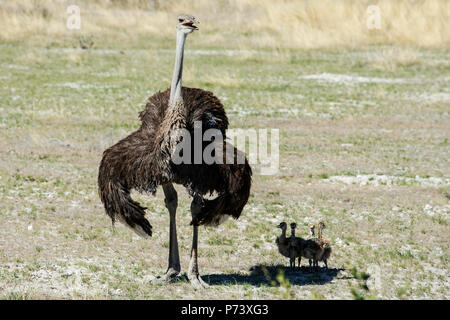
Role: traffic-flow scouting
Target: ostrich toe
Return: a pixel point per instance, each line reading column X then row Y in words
column 197, row 281
column 170, row 276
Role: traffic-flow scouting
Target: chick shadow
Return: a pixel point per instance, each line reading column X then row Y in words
column 260, row 275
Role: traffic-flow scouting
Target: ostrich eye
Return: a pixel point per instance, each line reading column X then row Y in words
column 180, row 20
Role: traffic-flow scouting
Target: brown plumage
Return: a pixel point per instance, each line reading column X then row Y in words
column 169, row 148
column 325, row 245
column 311, row 248
column 138, row 162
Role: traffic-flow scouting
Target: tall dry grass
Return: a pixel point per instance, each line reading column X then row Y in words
column 236, row 23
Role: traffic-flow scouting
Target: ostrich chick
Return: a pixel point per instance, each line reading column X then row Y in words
column 283, row 242
column 312, row 249
column 295, row 247
column 325, row 245
column 312, row 235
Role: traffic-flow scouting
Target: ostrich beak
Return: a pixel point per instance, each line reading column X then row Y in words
column 190, row 23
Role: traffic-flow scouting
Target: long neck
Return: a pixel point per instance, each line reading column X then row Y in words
column 283, row 233
column 320, row 233
column 293, row 232
column 311, row 232
column 175, row 89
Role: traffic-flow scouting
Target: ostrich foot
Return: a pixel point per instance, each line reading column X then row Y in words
column 197, row 282
column 171, row 275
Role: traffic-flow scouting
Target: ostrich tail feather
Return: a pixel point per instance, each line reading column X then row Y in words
column 119, row 206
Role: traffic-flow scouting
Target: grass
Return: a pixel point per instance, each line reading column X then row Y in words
column 245, row 24
column 367, row 156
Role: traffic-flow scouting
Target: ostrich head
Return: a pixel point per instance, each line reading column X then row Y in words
column 186, row 23
column 282, row 225
column 311, row 229
column 321, row 225
column 293, row 226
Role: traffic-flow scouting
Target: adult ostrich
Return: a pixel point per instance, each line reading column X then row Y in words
column 143, row 161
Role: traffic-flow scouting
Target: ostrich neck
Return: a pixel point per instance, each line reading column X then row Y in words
column 283, row 233
column 175, row 117
column 293, row 233
column 175, row 89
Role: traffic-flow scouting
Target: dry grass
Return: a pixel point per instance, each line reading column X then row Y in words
column 233, row 23
column 392, row 58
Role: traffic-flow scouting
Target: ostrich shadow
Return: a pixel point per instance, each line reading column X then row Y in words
column 259, row 275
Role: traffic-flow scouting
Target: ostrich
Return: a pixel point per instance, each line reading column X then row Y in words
column 325, row 244
column 311, row 247
column 295, row 247
column 143, row 160
column 282, row 241
column 317, row 249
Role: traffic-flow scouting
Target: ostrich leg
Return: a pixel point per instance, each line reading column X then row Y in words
column 193, row 274
column 171, row 200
